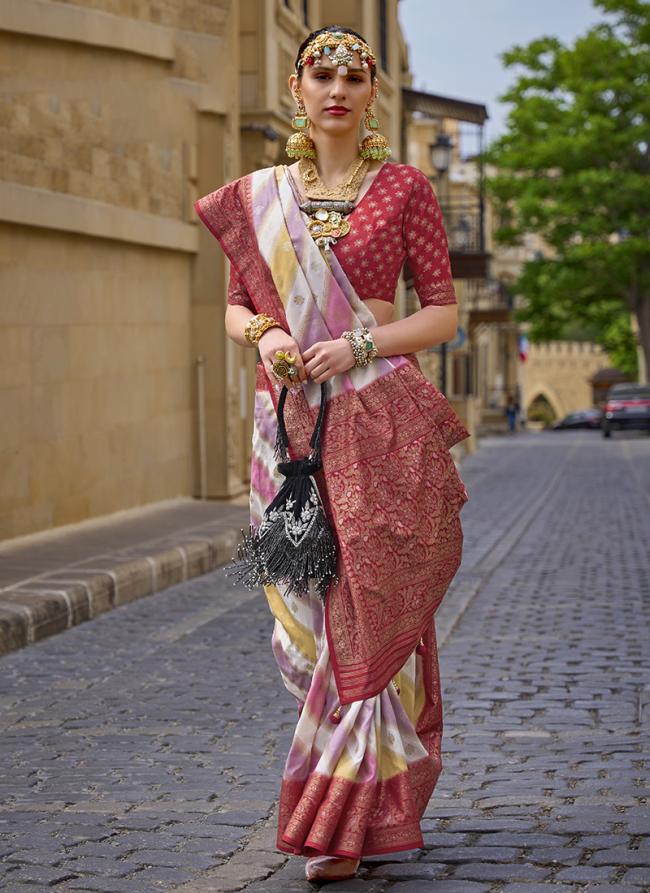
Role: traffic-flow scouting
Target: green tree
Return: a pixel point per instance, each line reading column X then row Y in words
column 574, row 168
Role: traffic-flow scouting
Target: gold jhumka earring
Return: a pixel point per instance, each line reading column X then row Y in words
column 300, row 145
column 375, row 145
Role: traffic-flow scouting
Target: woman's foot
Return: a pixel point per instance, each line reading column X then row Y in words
column 322, row 869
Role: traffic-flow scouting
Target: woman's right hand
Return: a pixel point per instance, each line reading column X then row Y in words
column 277, row 339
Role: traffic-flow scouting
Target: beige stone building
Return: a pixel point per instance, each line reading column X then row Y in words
column 560, row 373
column 114, row 115
column 118, row 387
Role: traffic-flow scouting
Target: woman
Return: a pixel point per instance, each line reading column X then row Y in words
column 316, row 249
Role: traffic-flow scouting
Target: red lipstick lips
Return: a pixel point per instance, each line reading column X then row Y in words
column 337, row 110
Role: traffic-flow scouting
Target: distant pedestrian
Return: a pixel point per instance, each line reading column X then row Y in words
column 512, row 411
column 362, row 660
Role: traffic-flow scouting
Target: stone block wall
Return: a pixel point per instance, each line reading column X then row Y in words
column 201, row 16
column 95, row 347
column 102, row 112
column 81, row 136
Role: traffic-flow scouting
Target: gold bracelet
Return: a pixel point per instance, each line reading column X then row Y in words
column 257, row 325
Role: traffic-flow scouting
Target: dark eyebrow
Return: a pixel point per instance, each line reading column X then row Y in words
column 323, row 68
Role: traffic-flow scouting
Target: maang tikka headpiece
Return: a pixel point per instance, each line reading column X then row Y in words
column 339, row 47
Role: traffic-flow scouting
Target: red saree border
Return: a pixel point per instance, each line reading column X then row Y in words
column 367, row 832
column 227, row 215
column 334, row 816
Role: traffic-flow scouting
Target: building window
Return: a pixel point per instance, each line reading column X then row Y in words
column 383, row 34
column 305, row 12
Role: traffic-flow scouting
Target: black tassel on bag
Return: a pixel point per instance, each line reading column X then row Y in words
column 294, row 543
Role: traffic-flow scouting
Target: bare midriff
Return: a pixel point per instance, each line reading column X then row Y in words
column 381, row 310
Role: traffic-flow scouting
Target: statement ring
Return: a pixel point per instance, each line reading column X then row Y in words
column 284, row 366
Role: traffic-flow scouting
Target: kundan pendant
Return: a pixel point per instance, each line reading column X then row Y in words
column 326, row 227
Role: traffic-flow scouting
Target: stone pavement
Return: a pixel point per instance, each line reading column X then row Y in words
column 143, row 751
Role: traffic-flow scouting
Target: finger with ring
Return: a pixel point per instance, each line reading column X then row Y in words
column 285, row 355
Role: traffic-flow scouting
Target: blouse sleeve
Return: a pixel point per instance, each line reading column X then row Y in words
column 426, row 245
column 237, row 293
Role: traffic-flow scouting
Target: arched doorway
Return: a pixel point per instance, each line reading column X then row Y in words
column 540, row 411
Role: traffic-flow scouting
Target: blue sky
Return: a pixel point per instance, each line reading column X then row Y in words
column 455, row 46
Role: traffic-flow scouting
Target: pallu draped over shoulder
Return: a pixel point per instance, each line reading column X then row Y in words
column 357, row 778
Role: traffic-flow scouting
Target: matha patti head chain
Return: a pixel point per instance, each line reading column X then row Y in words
column 339, row 48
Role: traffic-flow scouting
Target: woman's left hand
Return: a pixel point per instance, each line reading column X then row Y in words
column 325, row 359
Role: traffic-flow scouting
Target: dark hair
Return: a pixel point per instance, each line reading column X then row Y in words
column 332, row 29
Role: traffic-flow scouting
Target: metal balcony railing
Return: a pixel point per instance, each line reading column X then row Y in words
column 487, row 301
column 486, row 294
column 464, row 227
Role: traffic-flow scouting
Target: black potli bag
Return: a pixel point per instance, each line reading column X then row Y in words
column 294, row 543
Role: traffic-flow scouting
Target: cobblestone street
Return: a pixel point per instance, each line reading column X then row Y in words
column 142, row 751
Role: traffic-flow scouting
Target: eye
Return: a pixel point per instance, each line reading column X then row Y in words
column 320, row 77
column 356, row 79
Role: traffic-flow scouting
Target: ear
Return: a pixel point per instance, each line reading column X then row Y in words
column 293, row 85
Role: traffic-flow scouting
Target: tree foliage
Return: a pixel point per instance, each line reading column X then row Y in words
column 574, row 168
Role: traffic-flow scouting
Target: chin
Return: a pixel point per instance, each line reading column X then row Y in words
column 338, row 126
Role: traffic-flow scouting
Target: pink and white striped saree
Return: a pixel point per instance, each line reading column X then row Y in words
column 393, row 496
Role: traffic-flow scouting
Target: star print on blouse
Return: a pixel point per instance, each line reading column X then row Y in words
column 404, row 224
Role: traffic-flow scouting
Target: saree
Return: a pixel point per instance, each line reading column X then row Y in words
column 363, row 666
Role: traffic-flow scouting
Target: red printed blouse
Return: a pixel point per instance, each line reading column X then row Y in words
column 398, row 219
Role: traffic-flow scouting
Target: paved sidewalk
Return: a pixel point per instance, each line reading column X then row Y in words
column 144, row 750
column 54, row 580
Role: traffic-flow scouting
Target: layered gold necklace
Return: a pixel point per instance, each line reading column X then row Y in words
column 327, row 206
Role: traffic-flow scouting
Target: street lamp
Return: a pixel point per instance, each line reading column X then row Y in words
column 440, row 152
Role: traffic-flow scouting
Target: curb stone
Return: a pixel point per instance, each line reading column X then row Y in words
column 69, row 596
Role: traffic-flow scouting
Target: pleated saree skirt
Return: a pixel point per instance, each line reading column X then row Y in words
column 358, row 777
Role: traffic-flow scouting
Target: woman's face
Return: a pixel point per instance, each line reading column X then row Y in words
column 335, row 103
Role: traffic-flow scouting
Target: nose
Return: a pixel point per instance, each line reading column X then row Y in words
column 338, row 89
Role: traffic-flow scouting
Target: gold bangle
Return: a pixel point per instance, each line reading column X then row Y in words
column 257, row 325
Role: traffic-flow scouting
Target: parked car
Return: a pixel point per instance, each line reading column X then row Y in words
column 582, row 418
column 627, row 406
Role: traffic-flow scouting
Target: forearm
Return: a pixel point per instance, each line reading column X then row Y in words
column 236, row 318
column 424, row 328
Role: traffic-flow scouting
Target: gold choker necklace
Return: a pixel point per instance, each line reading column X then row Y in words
column 346, row 190
column 330, row 203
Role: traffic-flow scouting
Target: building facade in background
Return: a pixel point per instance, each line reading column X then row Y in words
column 561, row 375
column 482, row 368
